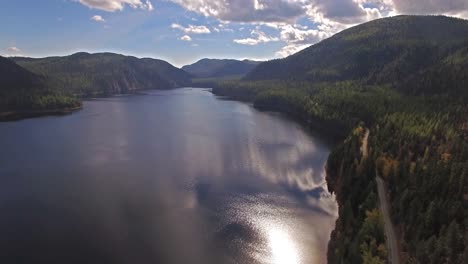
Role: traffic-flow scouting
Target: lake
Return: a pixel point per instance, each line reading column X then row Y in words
column 177, row 176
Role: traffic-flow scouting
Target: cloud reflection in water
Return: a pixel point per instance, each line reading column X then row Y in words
column 165, row 179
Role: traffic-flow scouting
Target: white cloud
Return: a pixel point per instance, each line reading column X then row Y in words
column 98, row 18
column 186, row 38
column 258, row 37
column 300, row 35
column 246, row 10
column 222, row 28
column 328, row 16
column 191, row 29
column 117, row 5
column 290, row 49
column 347, row 12
column 13, row 50
column 342, row 11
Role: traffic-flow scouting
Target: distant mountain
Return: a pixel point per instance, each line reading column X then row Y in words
column 85, row 74
column 215, row 68
column 22, row 90
column 411, row 51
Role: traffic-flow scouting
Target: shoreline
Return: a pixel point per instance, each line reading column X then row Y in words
column 333, row 131
column 16, row 115
column 9, row 116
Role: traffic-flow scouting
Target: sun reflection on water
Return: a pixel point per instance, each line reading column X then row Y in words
column 283, row 249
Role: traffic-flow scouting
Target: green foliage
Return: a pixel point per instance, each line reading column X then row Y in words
column 373, row 227
column 54, row 83
column 221, row 69
column 405, row 78
column 373, row 250
column 86, row 75
column 413, row 98
column 21, row 90
column 416, row 54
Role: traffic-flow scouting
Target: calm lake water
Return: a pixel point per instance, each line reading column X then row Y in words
column 175, row 176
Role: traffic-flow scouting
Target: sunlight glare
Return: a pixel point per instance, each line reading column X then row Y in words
column 282, row 248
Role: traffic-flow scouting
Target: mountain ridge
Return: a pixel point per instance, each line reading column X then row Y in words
column 86, row 74
column 394, row 50
column 219, row 68
column 24, row 92
column 405, row 80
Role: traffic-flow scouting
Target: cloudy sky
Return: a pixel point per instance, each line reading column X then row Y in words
column 182, row 31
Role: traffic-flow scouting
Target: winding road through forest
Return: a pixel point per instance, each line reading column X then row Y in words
column 392, row 244
column 391, row 240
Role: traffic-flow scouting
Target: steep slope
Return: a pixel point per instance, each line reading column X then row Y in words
column 396, row 50
column 22, row 90
column 387, row 77
column 13, row 77
column 87, row 74
column 214, row 68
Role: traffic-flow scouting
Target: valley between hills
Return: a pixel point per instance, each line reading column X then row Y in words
column 397, row 86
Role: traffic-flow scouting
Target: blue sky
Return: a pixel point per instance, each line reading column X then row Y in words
column 183, row 31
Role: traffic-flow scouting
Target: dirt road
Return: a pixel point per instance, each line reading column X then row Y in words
column 392, row 244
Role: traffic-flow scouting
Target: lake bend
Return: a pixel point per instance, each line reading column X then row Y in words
column 177, row 176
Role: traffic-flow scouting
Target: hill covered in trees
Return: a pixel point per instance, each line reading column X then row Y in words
column 84, row 74
column 30, row 87
column 410, row 52
column 215, row 68
column 404, row 79
column 22, row 91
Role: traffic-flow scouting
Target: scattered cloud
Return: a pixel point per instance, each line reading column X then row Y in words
column 13, row 50
column 191, row 29
column 431, row 7
column 290, row 49
column 246, row 10
column 298, row 37
column 98, row 18
column 258, row 37
column 186, row 38
column 301, row 35
column 117, row 5
column 296, row 23
column 222, row 28
column 328, row 17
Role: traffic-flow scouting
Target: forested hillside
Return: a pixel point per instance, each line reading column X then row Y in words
column 22, row 90
column 215, row 68
column 408, row 51
column 30, row 87
column 85, row 74
column 404, row 79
